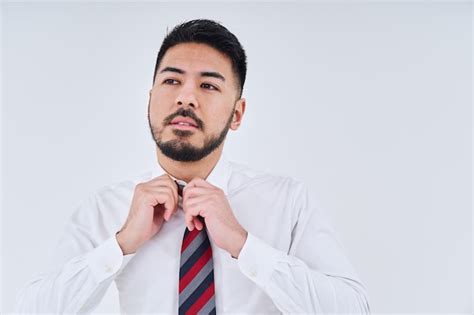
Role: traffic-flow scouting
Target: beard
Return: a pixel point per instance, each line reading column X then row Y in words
column 182, row 151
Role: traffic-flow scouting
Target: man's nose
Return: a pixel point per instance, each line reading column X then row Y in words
column 187, row 96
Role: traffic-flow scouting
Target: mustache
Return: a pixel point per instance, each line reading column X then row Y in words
column 185, row 113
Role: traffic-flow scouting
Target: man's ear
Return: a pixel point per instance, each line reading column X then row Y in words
column 238, row 114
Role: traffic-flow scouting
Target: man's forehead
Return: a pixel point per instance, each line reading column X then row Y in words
column 196, row 58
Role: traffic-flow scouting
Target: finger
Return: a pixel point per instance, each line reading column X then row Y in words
column 168, row 203
column 191, row 213
column 189, row 221
column 165, row 197
column 197, row 205
column 164, row 180
column 160, row 179
column 197, row 191
column 169, row 212
column 198, row 223
column 173, row 184
column 169, row 186
column 198, row 182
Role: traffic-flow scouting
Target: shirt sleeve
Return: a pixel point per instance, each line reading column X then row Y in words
column 314, row 276
column 84, row 264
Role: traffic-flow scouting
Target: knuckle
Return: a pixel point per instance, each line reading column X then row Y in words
column 139, row 188
column 170, row 190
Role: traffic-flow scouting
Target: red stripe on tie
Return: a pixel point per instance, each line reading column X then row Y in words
column 202, row 300
column 189, row 238
column 200, row 263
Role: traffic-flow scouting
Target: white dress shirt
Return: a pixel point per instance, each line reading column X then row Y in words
column 291, row 262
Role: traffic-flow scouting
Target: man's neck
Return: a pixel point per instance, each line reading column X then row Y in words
column 188, row 170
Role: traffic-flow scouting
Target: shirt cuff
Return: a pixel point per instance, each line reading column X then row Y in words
column 107, row 259
column 257, row 260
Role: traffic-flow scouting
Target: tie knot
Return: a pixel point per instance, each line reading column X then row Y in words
column 180, row 189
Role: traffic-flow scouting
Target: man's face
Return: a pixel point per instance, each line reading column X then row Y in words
column 194, row 84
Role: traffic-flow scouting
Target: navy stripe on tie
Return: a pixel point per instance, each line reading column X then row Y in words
column 196, row 294
column 194, row 257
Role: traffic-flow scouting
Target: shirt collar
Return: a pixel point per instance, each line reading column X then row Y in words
column 218, row 177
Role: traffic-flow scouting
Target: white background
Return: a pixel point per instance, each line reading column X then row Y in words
column 368, row 103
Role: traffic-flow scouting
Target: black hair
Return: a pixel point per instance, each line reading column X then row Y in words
column 212, row 33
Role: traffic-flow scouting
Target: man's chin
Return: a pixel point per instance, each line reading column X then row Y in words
column 178, row 143
column 180, row 155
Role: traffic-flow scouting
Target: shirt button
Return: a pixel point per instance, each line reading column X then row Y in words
column 253, row 273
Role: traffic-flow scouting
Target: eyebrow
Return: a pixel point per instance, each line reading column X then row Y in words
column 212, row 74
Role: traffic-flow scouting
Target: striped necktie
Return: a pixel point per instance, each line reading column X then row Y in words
column 196, row 272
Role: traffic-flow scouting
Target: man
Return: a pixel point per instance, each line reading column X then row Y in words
column 199, row 233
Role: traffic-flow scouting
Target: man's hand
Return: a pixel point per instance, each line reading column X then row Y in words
column 153, row 202
column 210, row 202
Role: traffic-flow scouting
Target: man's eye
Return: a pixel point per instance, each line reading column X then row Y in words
column 209, row 86
column 169, row 81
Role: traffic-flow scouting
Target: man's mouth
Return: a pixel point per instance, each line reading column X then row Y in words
column 184, row 123
column 183, row 126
